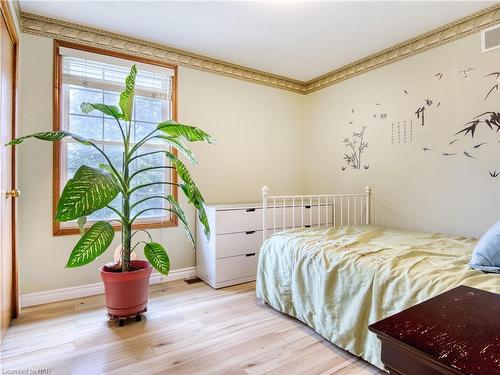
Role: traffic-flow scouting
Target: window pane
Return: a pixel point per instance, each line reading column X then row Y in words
column 111, row 98
column 112, row 130
column 85, row 126
column 79, row 155
column 149, row 110
column 78, row 95
column 115, row 154
column 144, row 128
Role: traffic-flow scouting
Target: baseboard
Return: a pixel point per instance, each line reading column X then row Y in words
column 63, row 294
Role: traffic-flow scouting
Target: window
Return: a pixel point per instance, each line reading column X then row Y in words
column 87, row 76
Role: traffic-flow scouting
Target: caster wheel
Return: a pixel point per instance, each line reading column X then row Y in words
column 121, row 322
column 138, row 318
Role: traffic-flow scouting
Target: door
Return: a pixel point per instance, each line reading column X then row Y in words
column 8, row 270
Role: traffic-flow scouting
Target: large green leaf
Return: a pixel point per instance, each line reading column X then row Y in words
column 191, row 133
column 176, row 208
column 194, row 196
column 191, row 191
column 109, row 110
column 89, row 190
column 177, row 143
column 51, row 137
column 182, row 170
column 93, row 243
column 127, row 96
column 157, row 256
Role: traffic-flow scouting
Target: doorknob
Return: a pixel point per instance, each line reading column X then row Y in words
column 14, row 193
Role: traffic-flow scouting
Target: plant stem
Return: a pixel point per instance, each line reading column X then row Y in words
column 127, row 224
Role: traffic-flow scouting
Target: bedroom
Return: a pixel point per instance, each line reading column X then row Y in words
column 366, row 155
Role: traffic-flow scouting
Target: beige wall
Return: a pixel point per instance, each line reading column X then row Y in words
column 413, row 188
column 259, row 142
column 293, row 143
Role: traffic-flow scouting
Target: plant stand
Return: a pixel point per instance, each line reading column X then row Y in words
column 121, row 319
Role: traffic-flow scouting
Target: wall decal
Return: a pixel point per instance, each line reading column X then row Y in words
column 401, row 132
column 449, row 154
column 479, row 145
column 455, row 140
column 439, row 75
column 356, row 145
column 426, row 149
column 343, row 168
column 383, row 115
column 466, row 73
column 495, row 87
column 406, row 92
column 490, row 119
column 494, row 173
column 469, row 155
column 438, row 105
column 428, row 102
column 421, row 114
column 366, row 166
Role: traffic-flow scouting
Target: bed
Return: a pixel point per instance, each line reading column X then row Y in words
column 343, row 274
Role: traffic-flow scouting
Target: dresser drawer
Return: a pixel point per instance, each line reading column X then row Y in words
column 227, row 245
column 236, row 267
column 233, row 221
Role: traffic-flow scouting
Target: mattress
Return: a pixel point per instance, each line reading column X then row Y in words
column 340, row 280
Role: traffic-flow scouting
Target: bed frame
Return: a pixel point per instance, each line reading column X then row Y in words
column 280, row 212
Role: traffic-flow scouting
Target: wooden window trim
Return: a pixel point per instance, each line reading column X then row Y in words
column 57, row 229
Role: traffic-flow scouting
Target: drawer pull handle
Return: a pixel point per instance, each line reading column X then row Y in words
column 308, row 206
column 250, row 209
column 250, row 232
column 250, row 255
column 307, row 226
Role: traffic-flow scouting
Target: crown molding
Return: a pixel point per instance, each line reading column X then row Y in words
column 91, row 36
column 450, row 32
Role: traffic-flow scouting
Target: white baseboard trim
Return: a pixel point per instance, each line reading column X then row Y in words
column 63, row 294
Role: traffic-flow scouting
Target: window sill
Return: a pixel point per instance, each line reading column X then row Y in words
column 69, row 231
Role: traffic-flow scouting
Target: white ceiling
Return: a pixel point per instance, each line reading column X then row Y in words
column 298, row 39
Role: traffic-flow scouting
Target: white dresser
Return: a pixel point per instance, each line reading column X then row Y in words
column 231, row 255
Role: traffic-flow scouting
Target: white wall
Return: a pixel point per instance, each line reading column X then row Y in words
column 259, row 137
column 413, row 188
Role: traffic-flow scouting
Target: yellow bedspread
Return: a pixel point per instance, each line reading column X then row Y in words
column 340, row 280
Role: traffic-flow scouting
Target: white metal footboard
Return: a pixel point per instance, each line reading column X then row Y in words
column 282, row 212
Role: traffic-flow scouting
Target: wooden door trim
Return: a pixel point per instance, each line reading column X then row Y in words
column 11, row 28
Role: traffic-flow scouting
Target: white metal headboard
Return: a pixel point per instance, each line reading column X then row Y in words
column 280, row 212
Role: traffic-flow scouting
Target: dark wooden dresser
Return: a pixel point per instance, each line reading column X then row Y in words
column 457, row 332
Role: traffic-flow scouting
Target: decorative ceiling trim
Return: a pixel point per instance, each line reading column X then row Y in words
column 450, row 32
column 91, row 36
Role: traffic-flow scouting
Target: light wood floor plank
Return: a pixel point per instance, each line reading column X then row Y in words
column 188, row 329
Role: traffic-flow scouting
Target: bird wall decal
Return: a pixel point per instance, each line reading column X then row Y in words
column 449, row 154
column 426, row 149
column 495, row 87
column 494, row 173
column 466, row 73
column 469, row 155
column 455, row 140
column 480, row 144
column 439, row 75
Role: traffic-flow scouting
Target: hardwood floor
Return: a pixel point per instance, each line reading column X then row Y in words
column 189, row 329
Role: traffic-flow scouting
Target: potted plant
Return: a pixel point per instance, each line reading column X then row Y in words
column 91, row 189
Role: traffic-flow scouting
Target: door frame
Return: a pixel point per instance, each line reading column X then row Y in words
column 6, row 14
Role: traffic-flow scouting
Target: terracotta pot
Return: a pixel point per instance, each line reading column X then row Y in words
column 126, row 292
